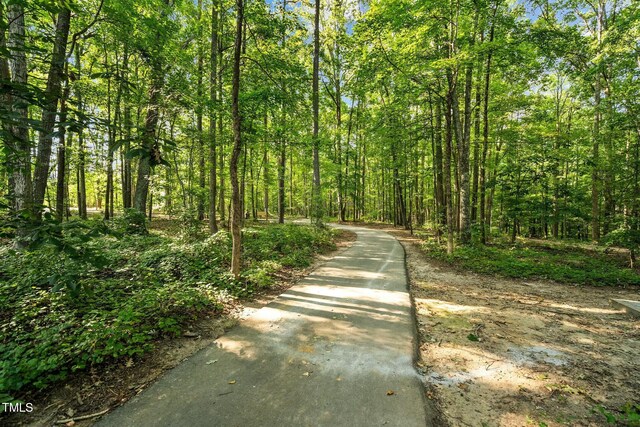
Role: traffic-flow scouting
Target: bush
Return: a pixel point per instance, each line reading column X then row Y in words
column 146, row 287
column 132, row 222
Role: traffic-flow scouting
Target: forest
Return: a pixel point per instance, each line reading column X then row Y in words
column 152, row 151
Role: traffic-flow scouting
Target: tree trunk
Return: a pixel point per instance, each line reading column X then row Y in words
column 213, row 94
column 127, row 177
column 281, row 169
column 80, row 172
column 485, row 137
column 440, row 192
column 265, row 175
column 62, row 158
column 465, row 190
column 595, row 178
column 447, row 175
column 199, row 108
column 149, row 138
column 49, row 109
column 316, row 210
column 20, row 162
column 236, row 219
column 6, row 107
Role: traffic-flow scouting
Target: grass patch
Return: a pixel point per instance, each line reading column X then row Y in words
column 564, row 264
column 148, row 286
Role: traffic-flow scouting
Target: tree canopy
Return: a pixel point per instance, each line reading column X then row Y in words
column 470, row 117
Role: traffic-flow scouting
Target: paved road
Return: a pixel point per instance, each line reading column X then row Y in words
column 334, row 350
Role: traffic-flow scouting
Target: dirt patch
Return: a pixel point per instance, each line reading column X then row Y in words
column 502, row 352
column 108, row 386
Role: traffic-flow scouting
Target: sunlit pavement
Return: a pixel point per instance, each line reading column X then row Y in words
column 335, row 350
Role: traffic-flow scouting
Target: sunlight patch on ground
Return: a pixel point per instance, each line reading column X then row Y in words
column 350, row 274
column 440, row 306
column 585, row 309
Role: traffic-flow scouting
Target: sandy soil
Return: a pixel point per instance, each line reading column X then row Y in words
column 498, row 352
column 106, row 387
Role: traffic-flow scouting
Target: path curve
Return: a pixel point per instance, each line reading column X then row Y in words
column 336, row 349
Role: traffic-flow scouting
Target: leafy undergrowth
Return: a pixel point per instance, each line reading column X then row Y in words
column 561, row 263
column 145, row 287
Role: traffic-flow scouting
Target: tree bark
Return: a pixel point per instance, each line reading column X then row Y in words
column 62, row 158
column 49, row 109
column 236, row 218
column 595, row 178
column 465, row 188
column 127, row 177
column 20, row 147
column 213, row 80
column 317, row 196
column 485, row 136
column 447, row 175
column 199, row 111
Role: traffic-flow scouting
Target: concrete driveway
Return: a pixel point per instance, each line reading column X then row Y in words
column 334, row 350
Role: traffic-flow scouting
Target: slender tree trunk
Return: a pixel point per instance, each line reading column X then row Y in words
column 440, row 192
column 221, row 144
column 127, row 177
column 199, row 112
column 317, row 196
column 50, row 106
column 281, row 170
column 282, row 158
column 80, row 172
column 236, row 219
column 595, row 178
column 465, row 190
column 447, row 175
column 476, row 142
column 265, row 174
column 485, row 136
column 213, row 80
column 62, row 158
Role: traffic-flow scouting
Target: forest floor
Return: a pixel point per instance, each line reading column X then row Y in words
column 89, row 393
column 513, row 352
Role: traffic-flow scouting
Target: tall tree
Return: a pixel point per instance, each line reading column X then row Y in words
column 50, row 106
column 213, row 94
column 18, row 133
column 236, row 204
column 316, row 209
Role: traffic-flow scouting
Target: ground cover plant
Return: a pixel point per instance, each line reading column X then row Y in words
column 60, row 314
column 536, row 259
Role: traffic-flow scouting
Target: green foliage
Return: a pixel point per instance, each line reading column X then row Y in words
column 291, row 244
column 628, row 415
column 69, row 243
column 146, row 287
column 132, row 222
column 190, row 225
column 559, row 263
column 625, row 237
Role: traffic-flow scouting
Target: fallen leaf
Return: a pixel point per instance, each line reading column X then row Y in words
column 211, row 361
column 232, row 381
column 306, row 374
column 390, row 392
column 129, row 363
